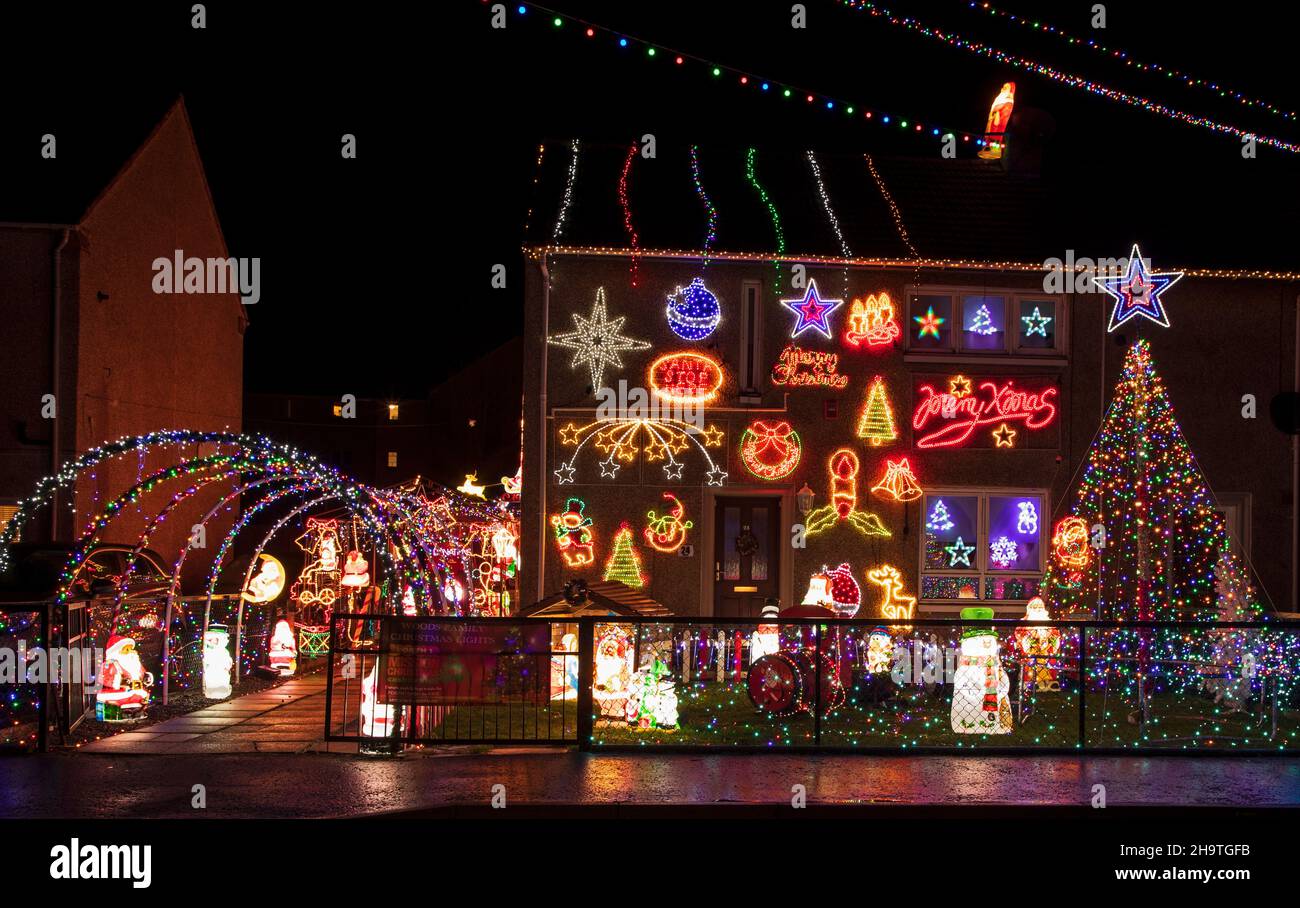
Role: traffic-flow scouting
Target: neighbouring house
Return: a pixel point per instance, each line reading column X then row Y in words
column 92, row 352
column 934, row 394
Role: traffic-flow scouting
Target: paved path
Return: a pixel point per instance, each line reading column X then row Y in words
column 284, row 719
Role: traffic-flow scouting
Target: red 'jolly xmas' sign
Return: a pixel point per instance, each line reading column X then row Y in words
column 946, row 418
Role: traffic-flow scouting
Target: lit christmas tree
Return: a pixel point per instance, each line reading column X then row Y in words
column 877, row 421
column 624, row 563
column 982, row 323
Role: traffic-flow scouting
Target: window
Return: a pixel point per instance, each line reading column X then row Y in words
column 984, row 545
column 984, row 323
column 7, row 513
column 975, row 321
column 930, row 325
column 338, row 409
column 1037, row 324
column 751, row 337
column 393, row 411
column 392, row 458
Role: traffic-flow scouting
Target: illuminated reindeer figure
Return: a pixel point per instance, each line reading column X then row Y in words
column 844, row 500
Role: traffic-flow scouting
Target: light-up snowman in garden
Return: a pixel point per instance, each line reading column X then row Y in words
column 217, row 662
column 981, row 704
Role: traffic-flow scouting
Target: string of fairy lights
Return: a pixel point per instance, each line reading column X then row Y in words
column 1082, row 83
column 751, row 174
column 711, row 212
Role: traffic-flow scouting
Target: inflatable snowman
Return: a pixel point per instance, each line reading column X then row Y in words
column 217, row 662
column 980, row 701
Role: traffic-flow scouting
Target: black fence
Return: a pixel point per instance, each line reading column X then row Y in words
column 926, row 685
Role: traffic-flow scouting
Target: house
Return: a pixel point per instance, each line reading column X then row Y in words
column 875, row 369
column 93, row 353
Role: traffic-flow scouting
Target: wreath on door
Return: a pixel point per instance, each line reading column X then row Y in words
column 746, row 543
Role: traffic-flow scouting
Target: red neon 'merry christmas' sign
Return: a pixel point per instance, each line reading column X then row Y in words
column 947, row 418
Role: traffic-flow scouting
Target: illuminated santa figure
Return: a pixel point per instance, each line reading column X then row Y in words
column 356, row 570
column 612, row 671
column 123, row 683
column 377, row 719
column 1037, row 644
column 217, row 662
column 766, row 638
column 981, row 704
column 283, row 649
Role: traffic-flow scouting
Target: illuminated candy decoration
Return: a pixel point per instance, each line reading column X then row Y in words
column 268, row 582
column 813, row 311
column 876, row 424
column 686, row 378
column 797, row 367
column 625, row 204
column 939, row 521
column 282, row 650
column 1038, row 645
column 471, row 487
column 123, row 689
column 981, row 702
column 880, row 651
column 597, row 341
column 667, row 533
column 845, row 594
column 693, row 311
column 770, row 451
column 573, row 534
column 899, row 482
column 1070, row 546
column 843, row 506
column 217, row 662
column 624, row 563
column 1027, row 517
column 960, row 416
column 1003, row 552
column 982, row 322
column 929, row 323
column 872, row 320
column 356, row 570
column 894, row 604
column 1036, row 323
column 959, row 553
column 1004, row 436
column 1137, row 292
column 999, row 116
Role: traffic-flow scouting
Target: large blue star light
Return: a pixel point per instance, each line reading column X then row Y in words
column 812, row 311
column 1137, row 292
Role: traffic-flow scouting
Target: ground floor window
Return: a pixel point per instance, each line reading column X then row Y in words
column 982, row 544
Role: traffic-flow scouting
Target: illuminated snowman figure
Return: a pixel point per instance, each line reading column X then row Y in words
column 216, row 662
column 980, row 701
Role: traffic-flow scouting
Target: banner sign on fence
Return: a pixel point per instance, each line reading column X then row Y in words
column 428, row 662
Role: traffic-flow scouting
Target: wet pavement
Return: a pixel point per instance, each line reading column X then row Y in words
column 264, row 785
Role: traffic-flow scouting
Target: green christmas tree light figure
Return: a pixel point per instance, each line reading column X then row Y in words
column 624, row 563
column 877, row 421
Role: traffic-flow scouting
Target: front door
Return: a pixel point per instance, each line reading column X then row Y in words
column 747, row 560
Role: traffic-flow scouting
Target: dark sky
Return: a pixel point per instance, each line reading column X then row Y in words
column 375, row 271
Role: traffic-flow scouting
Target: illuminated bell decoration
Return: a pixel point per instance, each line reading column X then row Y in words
column 356, row 570
column 981, row 703
column 283, row 649
column 899, row 482
column 693, row 311
column 217, row 662
column 268, row 582
column 123, row 690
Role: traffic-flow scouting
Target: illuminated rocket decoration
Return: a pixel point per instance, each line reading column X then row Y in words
column 598, row 341
column 813, row 311
column 999, row 118
column 1137, row 292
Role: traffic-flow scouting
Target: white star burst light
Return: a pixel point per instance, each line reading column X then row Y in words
column 598, row 341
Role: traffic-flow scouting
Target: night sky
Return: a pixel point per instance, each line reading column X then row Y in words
column 375, row 271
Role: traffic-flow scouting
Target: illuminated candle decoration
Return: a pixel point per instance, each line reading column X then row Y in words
column 268, row 582
column 1137, row 292
column 123, row 690
column 1003, row 552
column 1039, row 645
column 217, row 662
column 939, row 520
column 899, row 482
column 667, row 533
column 813, row 311
column 282, row 651
column 770, row 450
column 843, row 506
column 573, row 534
column 597, row 341
column 959, row 553
column 999, row 117
column 624, row 563
column 686, row 378
column 872, row 320
column 471, row 486
column 1036, row 323
column 894, row 604
column 693, row 312
column 797, row 367
column 845, row 594
column 981, row 702
column 928, row 324
column 949, row 418
column 1027, row 517
column 876, row 424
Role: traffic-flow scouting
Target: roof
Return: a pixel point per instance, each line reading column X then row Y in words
column 608, row 597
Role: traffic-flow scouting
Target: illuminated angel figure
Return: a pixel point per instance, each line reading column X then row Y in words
column 662, row 439
column 844, row 500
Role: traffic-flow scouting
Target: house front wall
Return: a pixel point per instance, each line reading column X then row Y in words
column 1020, row 436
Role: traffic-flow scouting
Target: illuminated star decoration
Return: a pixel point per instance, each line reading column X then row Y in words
column 564, row 475
column 959, row 386
column 812, row 311
column 598, row 341
column 929, row 323
column 959, row 553
column 1004, row 436
column 1003, row 551
column 1036, row 323
column 1137, row 292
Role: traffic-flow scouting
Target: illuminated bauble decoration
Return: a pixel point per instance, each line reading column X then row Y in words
column 770, row 451
column 356, row 570
column 217, row 662
column 846, row 595
column 123, row 683
column 268, row 582
column 693, row 311
column 981, row 703
column 283, row 649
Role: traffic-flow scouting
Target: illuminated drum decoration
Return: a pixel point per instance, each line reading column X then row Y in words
column 686, row 378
